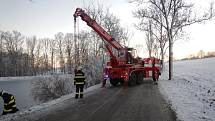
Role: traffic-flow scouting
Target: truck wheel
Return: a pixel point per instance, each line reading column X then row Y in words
column 114, row 82
column 140, row 78
column 132, row 79
column 121, row 81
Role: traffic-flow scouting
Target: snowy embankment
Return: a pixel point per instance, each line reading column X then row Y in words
column 191, row 93
column 46, row 107
column 17, row 78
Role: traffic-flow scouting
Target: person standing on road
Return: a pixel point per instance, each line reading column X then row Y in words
column 79, row 82
column 105, row 77
column 9, row 103
column 155, row 72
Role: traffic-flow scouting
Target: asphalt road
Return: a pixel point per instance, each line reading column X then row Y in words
column 138, row 103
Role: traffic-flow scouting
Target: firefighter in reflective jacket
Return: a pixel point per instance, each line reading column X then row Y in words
column 79, row 82
column 155, row 72
column 9, row 103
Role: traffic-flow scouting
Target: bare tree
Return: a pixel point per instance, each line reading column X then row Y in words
column 68, row 48
column 37, row 56
column 150, row 41
column 108, row 21
column 156, row 37
column 13, row 41
column 52, row 51
column 1, row 54
column 45, row 57
column 201, row 54
column 14, row 60
column 112, row 25
column 31, row 44
column 59, row 37
column 13, row 45
column 1, row 42
column 96, row 12
column 173, row 16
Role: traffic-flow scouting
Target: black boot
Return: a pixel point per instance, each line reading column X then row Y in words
column 81, row 95
column 76, row 96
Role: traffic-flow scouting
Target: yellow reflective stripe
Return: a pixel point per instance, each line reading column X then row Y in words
column 12, row 97
column 10, row 102
column 79, row 77
column 7, row 110
column 76, row 93
column 81, row 93
column 14, row 106
column 79, row 83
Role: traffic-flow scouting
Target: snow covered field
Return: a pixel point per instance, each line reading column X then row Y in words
column 192, row 91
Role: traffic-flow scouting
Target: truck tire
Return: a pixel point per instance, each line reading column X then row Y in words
column 140, row 77
column 121, row 81
column 114, row 82
column 132, row 79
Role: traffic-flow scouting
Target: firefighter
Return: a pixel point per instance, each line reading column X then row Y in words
column 9, row 103
column 104, row 81
column 155, row 72
column 105, row 77
column 79, row 82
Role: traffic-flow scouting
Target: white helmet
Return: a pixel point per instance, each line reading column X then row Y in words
column 79, row 68
column 2, row 92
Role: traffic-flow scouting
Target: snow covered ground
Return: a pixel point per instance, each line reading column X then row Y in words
column 45, row 107
column 16, row 78
column 192, row 91
column 21, row 88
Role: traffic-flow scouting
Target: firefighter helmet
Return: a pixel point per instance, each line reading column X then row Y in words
column 79, row 68
column 1, row 93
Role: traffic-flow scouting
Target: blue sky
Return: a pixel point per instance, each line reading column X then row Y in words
column 44, row 18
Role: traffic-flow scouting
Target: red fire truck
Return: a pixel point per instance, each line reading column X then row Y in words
column 123, row 66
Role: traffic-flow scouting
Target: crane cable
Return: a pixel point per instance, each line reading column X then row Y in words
column 76, row 30
column 78, row 36
column 76, row 39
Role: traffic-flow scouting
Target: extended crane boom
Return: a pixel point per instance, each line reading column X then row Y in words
column 118, row 59
column 94, row 25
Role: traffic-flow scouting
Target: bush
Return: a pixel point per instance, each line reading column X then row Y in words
column 49, row 88
column 93, row 71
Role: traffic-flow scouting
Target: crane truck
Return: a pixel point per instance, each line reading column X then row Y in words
column 123, row 67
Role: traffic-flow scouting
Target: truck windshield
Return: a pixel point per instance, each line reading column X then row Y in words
column 133, row 53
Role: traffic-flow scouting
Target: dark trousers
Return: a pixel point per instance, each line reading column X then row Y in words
column 104, row 82
column 13, row 110
column 79, row 90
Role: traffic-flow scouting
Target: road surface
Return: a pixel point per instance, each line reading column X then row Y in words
column 137, row 103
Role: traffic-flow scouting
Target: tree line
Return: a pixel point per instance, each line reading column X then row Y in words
column 201, row 54
column 25, row 56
